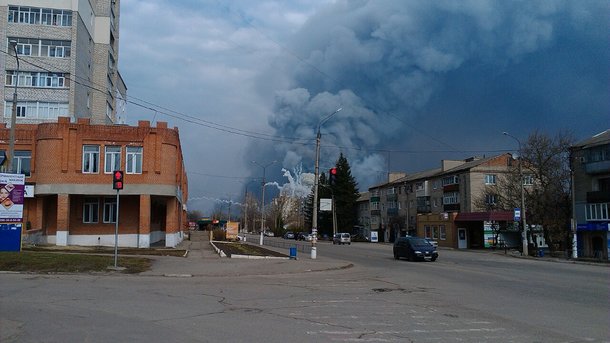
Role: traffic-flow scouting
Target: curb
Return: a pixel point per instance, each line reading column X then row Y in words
column 253, row 257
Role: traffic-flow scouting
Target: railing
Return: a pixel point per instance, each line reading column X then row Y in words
column 278, row 242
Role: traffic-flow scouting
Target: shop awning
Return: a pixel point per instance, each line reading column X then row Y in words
column 504, row 216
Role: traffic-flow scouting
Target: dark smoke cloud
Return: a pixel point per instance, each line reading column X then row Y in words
column 440, row 75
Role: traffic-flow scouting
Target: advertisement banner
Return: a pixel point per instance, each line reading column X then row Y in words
column 232, row 230
column 12, row 190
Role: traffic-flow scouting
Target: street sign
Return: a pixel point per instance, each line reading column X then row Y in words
column 517, row 214
column 326, row 204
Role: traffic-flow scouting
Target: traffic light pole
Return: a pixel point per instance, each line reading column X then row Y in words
column 116, row 231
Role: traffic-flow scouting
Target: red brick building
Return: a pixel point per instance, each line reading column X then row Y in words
column 68, row 168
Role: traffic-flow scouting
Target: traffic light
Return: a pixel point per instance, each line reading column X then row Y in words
column 117, row 179
column 332, row 176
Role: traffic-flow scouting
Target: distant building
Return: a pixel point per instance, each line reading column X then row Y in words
column 440, row 204
column 69, row 168
column 68, row 56
column 590, row 161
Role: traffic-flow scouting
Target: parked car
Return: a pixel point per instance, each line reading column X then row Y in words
column 268, row 233
column 342, row 238
column 308, row 237
column 289, row 235
column 300, row 236
column 414, row 248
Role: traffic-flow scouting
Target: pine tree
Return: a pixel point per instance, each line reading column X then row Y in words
column 346, row 196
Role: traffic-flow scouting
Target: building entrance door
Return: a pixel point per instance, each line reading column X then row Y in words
column 462, row 239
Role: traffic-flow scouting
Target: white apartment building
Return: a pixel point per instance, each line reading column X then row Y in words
column 68, row 52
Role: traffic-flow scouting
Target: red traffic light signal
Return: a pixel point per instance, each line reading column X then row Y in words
column 117, row 179
column 332, row 176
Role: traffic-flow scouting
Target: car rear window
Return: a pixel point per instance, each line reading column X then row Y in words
column 345, row 235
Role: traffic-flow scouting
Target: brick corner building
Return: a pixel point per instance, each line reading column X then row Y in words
column 71, row 201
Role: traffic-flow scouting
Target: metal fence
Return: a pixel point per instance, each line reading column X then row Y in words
column 277, row 242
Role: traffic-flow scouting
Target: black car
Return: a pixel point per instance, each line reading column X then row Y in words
column 414, row 248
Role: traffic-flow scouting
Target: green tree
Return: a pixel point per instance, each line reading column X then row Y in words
column 346, row 195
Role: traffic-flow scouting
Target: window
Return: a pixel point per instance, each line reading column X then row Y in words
column 39, row 16
column 91, row 157
column 37, row 109
column 450, row 180
column 450, row 198
column 436, row 184
column 112, row 159
column 391, row 204
column 391, row 191
column 427, row 232
column 490, row 199
column 442, row 232
column 110, row 210
column 434, row 232
column 90, row 210
column 21, row 162
column 597, row 211
column 375, row 193
column 374, row 206
column 134, row 160
column 528, row 180
column 37, row 79
column 490, row 179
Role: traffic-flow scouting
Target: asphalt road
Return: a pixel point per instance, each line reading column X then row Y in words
column 462, row 297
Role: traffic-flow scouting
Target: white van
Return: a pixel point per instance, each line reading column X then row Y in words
column 342, row 238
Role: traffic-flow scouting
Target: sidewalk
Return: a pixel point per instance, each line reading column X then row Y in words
column 202, row 260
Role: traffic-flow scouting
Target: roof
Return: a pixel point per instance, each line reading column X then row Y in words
column 365, row 196
column 598, row 139
column 485, row 216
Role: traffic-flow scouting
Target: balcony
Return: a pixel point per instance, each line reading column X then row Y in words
column 392, row 212
column 599, row 196
column 375, row 212
column 375, row 199
column 422, row 190
column 451, row 188
column 424, row 209
column 451, row 207
column 391, row 197
column 597, row 167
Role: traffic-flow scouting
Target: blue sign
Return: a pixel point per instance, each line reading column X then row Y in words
column 10, row 237
column 517, row 214
column 594, row 226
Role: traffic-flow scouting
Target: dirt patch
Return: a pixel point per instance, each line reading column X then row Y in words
column 246, row 249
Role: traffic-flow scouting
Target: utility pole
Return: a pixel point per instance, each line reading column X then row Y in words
column 521, row 180
column 314, row 217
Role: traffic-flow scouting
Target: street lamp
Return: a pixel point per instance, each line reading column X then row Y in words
column 263, row 198
column 525, row 245
column 11, row 148
column 314, row 217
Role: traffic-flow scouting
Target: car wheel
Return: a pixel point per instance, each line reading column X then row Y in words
column 434, row 259
column 349, row 243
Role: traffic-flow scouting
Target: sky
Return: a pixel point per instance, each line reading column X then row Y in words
column 417, row 82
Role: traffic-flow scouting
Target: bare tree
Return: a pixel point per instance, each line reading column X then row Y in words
column 547, row 160
column 546, row 165
column 194, row 215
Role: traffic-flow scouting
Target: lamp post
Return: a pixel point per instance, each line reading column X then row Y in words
column 245, row 228
column 314, row 217
column 525, row 245
column 263, row 198
column 11, row 148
